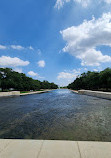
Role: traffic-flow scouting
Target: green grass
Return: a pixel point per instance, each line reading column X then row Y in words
column 24, row 91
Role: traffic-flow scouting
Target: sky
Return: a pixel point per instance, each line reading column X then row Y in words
column 55, row 40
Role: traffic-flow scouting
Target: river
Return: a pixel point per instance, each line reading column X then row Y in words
column 58, row 114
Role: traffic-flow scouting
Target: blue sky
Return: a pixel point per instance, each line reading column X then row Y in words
column 55, row 40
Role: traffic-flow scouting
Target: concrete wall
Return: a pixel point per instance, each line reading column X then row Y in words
column 13, row 93
column 106, row 95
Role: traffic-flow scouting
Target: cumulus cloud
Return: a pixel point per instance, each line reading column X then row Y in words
column 83, row 39
column 18, row 70
column 3, row 47
column 7, row 61
column 68, row 74
column 34, row 74
column 66, row 77
column 41, row 63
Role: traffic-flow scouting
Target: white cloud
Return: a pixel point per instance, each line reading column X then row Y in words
column 60, row 3
column 107, row 1
column 85, row 69
column 3, row 47
column 34, row 74
column 17, row 47
column 41, row 63
column 84, row 3
column 31, row 48
column 66, row 77
column 18, row 70
column 95, row 70
column 82, row 40
column 7, row 61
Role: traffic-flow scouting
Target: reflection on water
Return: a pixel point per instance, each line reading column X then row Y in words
column 59, row 114
column 62, row 91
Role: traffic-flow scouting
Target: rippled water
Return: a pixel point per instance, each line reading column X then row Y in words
column 59, row 114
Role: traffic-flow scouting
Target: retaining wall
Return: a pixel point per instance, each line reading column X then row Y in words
column 13, row 93
column 105, row 95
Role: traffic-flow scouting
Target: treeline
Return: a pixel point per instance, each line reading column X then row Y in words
column 93, row 81
column 12, row 80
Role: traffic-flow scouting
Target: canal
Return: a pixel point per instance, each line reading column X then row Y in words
column 58, row 114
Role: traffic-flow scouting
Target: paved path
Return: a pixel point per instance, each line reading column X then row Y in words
column 53, row 149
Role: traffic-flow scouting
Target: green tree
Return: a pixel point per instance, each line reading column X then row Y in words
column 19, row 81
column 93, row 81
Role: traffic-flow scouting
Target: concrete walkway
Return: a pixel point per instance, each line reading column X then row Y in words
column 53, row 149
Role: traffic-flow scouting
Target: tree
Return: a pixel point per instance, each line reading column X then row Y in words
column 19, row 81
column 93, row 81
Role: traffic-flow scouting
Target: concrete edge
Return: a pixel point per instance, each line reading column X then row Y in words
column 54, row 148
column 37, row 92
column 13, row 93
column 98, row 94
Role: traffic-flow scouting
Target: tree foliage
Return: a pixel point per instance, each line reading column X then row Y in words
column 19, row 81
column 93, row 81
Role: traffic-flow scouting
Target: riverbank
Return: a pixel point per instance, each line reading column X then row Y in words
column 35, row 92
column 53, row 148
column 6, row 94
column 18, row 93
column 99, row 94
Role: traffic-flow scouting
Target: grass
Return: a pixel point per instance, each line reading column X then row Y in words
column 24, row 91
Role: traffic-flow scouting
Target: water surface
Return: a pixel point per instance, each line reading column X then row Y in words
column 59, row 114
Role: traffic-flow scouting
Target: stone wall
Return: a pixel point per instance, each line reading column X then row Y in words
column 13, row 93
column 106, row 95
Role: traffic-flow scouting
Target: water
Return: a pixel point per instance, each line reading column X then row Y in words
column 59, row 114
